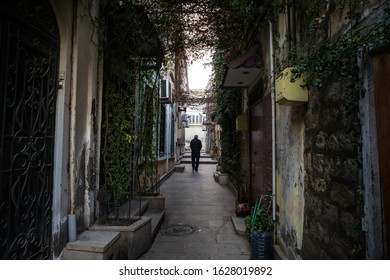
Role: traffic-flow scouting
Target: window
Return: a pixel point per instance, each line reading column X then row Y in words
column 164, row 89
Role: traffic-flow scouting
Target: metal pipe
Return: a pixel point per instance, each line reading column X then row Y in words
column 73, row 88
column 271, row 51
column 72, row 228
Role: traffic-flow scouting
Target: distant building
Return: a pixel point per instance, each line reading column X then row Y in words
column 195, row 118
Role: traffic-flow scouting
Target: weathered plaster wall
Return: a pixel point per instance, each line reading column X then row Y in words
column 63, row 12
column 290, row 128
column 290, row 167
column 86, row 61
column 340, row 165
column 343, row 218
column 84, row 85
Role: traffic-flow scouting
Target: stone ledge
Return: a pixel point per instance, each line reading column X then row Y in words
column 93, row 245
column 94, row 241
column 179, row 168
column 135, row 239
column 238, row 224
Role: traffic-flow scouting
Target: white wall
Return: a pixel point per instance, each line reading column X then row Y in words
column 191, row 132
column 76, row 145
column 195, row 128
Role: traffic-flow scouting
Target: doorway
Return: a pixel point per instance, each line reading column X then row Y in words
column 261, row 148
column 382, row 103
column 29, row 45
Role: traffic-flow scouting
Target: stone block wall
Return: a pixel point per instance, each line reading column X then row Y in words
column 333, row 200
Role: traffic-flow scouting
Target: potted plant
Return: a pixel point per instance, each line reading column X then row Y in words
column 259, row 228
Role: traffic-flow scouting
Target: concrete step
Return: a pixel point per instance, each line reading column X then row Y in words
column 179, row 168
column 239, row 224
column 157, row 216
column 202, row 155
column 135, row 238
column 201, row 161
column 94, row 245
column 204, row 158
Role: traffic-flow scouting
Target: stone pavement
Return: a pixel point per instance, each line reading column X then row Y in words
column 198, row 220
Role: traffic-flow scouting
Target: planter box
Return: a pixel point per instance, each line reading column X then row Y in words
column 134, row 240
column 215, row 175
column 223, row 178
column 261, row 245
column 94, row 245
column 290, row 93
column 155, row 202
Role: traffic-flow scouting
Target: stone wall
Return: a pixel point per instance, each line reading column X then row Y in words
column 333, row 201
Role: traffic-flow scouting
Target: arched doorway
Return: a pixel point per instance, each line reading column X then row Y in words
column 29, row 43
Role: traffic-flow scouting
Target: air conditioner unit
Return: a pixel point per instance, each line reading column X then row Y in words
column 290, row 93
column 166, row 92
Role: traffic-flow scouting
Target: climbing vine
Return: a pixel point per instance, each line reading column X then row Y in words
column 223, row 26
column 130, row 109
column 118, row 144
column 321, row 57
column 228, row 107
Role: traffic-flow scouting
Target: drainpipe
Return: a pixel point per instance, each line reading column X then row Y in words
column 271, row 51
column 72, row 232
column 167, row 135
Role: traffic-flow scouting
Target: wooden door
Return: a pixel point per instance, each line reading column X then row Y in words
column 382, row 104
column 261, row 148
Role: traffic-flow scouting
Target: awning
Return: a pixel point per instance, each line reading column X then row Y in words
column 244, row 70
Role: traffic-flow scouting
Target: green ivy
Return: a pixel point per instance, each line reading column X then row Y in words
column 228, row 107
column 118, row 144
column 327, row 58
column 130, row 107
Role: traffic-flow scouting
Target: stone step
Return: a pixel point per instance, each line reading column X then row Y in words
column 201, row 160
column 157, row 216
column 179, row 168
column 202, row 155
column 238, row 224
column 94, row 245
column 135, row 240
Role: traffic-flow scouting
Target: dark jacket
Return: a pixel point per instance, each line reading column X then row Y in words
column 196, row 145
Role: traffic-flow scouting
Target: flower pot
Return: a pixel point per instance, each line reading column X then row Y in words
column 261, row 245
column 242, row 209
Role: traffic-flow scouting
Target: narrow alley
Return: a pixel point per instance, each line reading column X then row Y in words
column 197, row 222
column 101, row 99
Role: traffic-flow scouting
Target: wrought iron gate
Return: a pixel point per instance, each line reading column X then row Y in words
column 28, row 85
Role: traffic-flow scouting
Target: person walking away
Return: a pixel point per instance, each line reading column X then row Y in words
column 196, row 146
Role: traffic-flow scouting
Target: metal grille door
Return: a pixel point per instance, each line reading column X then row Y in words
column 28, row 61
